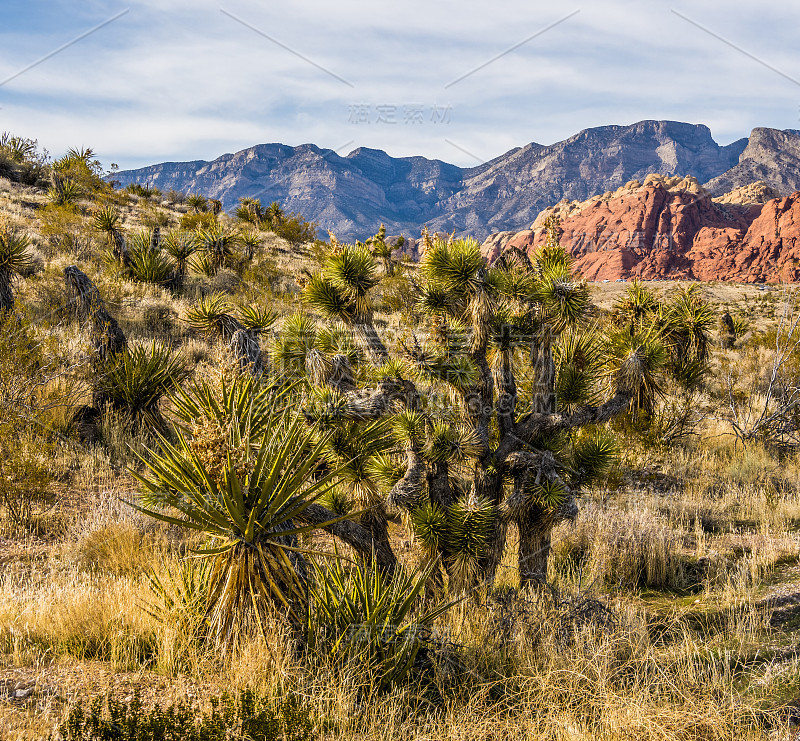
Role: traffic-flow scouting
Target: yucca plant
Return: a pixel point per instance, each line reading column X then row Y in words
column 250, row 241
column 213, row 314
column 14, row 260
column 363, row 618
column 180, row 246
column 106, row 220
column 341, row 291
column 136, row 379
column 64, row 191
column 245, row 492
column 146, row 265
column 197, row 203
column 218, row 244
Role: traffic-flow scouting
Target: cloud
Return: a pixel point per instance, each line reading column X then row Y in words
column 178, row 79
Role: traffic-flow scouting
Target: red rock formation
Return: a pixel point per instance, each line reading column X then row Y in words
column 659, row 231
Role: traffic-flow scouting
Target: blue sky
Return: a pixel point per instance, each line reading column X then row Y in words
column 190, row 79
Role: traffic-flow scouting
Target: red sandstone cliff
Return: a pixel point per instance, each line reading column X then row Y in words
column 671, row 228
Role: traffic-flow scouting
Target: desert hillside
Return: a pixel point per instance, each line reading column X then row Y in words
column 259, row 485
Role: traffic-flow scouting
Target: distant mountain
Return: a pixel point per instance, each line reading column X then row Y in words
column 353, row 195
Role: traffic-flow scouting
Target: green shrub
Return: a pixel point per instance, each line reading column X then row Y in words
column 363, row 617
column 246, row 718
column 135, row 380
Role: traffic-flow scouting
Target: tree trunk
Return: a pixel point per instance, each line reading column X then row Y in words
column 535, row 529
column 6, row 292
column 489, row 486
column 378, row 354
column 375, row 522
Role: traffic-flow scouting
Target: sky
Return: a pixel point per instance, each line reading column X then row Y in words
column 146, row 81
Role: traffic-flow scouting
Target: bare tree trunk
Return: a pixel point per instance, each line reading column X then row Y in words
column 375, row 522
column 6, row 292
column 535, row 530
column 247, row 351
column 377, row 351
column 107, row 337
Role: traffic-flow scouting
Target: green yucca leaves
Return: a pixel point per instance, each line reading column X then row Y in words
column 549, row 494
column 106, row 219
column 636, row 362
column 364, row 618
column 14, row 260
column 244, row 493
column 448, row 442
column 429, row 521
column 149, row 266
column 14, row 256
column 454, row 266
column 329, row 299
column 218, row 244
column 257, row 318
column 67, row 193
column 136, row 379
column 593, row 455
column 213, row 314
column 180, row 245
column 341, row 289
column 469, row 524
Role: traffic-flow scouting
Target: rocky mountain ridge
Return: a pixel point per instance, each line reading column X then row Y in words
column 354, row 194
column 671, row 228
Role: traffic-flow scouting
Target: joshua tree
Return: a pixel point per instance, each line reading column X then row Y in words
column 14, row 259
column 107, row 221
column 180, row 245
column 493, row 421
column 378, row 247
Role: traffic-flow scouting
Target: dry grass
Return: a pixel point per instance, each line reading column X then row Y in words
column 676, row 561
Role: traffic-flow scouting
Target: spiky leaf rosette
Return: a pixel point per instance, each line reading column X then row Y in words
column 548, row 494
column 578, row 358
column 430, row 524
column 338, row 501
column 257, row 318
column 593, row 455
column 137, row 378
column 337, row 339
column 106, row 219
column 14, row 256
column 448, row 442
column 386, row 470
column 469, row 523
column 636, row 363
column 408, row 427
column 180, row 245
column 244, row 400
column 354, row 449
column 341, row 289
column 66, row 193
column 454, row 267
column 687, row 325
column 369, row 620
column 218, row 243
column 637, row 305
column 213, row 315
column 246, row 501
column 149, row 266
column 322, row 294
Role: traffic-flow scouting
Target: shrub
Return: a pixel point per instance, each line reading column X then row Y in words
column 196, row 221
column 135, row 380
column 361, row 616
column 245, row 718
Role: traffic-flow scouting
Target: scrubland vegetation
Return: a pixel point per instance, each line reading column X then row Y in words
column 258, row 485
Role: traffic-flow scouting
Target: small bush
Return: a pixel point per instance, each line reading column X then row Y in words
column 246, row 718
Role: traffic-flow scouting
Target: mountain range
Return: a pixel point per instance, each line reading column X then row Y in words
column 352, row 195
